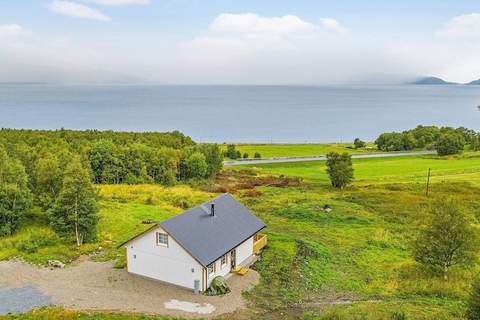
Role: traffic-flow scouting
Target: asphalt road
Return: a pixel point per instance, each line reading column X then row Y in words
column 17, row 300
column 322, row 157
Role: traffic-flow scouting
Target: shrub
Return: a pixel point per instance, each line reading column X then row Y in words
column 450, row 143
column 35, row 242
column 473, row 304
column 399, row 315
column 231, row 151
column 359, row 143
column 257, row 155
column 245, row 156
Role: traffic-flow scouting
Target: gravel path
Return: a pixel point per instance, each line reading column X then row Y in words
column 89, row 285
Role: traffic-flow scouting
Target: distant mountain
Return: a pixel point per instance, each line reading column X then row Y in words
column 432, row 81
column 475, row 82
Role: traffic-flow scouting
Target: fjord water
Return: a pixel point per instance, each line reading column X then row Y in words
column 241, row 113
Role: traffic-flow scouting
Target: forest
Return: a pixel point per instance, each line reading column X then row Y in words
column 36, row 167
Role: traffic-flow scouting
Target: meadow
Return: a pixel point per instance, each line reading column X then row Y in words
column 297, row 150
column 352, row 263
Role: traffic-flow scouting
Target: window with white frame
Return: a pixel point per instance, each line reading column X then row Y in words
column 162, row 239
column 223, row 261
column 211, row 269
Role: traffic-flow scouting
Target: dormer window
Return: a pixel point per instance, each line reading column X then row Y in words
column 162, row 239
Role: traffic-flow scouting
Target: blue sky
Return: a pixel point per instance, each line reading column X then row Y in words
column 262, row 41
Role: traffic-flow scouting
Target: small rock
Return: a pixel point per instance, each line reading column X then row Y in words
column 56, row 264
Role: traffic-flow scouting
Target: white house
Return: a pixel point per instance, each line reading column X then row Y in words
column 192, row 248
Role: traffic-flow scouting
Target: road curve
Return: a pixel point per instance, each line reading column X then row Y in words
column 323, row 157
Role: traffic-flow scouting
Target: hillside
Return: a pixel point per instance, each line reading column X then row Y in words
column 474, row 82
column 431, row 81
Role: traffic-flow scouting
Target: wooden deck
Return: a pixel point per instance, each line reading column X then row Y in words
column 259, row 242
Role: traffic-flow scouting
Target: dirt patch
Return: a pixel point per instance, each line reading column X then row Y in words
column 89, row 285
column 233, row 180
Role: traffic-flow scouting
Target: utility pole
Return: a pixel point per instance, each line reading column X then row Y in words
column 428, row 181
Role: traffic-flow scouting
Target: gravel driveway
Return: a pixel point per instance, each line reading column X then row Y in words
column 89, row 285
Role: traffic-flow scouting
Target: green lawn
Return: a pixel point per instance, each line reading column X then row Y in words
column 296, row 150
column 388, row 170
column 352, row 263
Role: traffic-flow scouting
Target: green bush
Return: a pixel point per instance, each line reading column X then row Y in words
column 35, row 242
column 450, row 143
column 399, row 315
column 473, row 304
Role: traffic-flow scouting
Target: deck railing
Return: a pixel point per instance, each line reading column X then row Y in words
column 259, row 242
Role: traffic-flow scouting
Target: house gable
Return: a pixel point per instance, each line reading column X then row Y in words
column 170, row 263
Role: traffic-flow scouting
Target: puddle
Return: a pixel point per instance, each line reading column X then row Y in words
column 16, row 300
column 192, row 307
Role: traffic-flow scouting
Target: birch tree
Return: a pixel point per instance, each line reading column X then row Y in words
column 447, row 240
column 75, row 211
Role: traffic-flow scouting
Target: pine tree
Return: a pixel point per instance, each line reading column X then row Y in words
column 75, row 211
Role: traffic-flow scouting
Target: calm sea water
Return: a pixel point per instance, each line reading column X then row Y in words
column 241, row 113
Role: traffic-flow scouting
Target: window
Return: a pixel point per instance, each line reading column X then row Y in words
column 211, row 269
column 223, row 262
column 162, row 239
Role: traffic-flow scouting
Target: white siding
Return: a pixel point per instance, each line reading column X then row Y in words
column 219, row 270
column 244, row 251
column 172, row 264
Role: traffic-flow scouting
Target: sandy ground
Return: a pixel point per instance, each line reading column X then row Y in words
column 89, row 285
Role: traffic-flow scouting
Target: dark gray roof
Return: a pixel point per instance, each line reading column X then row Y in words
column 207, row 237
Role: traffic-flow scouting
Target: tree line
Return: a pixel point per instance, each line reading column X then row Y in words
column 446, row 140
column 56, row 170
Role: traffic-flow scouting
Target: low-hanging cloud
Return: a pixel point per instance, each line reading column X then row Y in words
column 238, row 49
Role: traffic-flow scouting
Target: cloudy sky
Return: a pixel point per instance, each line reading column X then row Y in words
column 238, row 42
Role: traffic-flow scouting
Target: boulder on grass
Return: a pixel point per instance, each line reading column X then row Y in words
column 218, row 287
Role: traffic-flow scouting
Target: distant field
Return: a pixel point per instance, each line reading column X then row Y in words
column 296, row 150
column 387, row 170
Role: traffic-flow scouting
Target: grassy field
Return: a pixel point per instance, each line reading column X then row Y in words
column 352, row 263
column 296, row 150
column 122, row 210
column 388, row 170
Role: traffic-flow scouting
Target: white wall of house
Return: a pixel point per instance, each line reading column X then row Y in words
column 169, row 264
column 244, row 251
column 220, row 270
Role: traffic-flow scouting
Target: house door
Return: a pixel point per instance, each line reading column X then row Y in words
column 233, row 261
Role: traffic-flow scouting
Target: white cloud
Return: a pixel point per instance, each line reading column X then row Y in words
column 333, row 25
column 463, row 26
column 76, row 10
column 10, row 31
column 120, row 2
column 237, row 49
column 250, row 23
